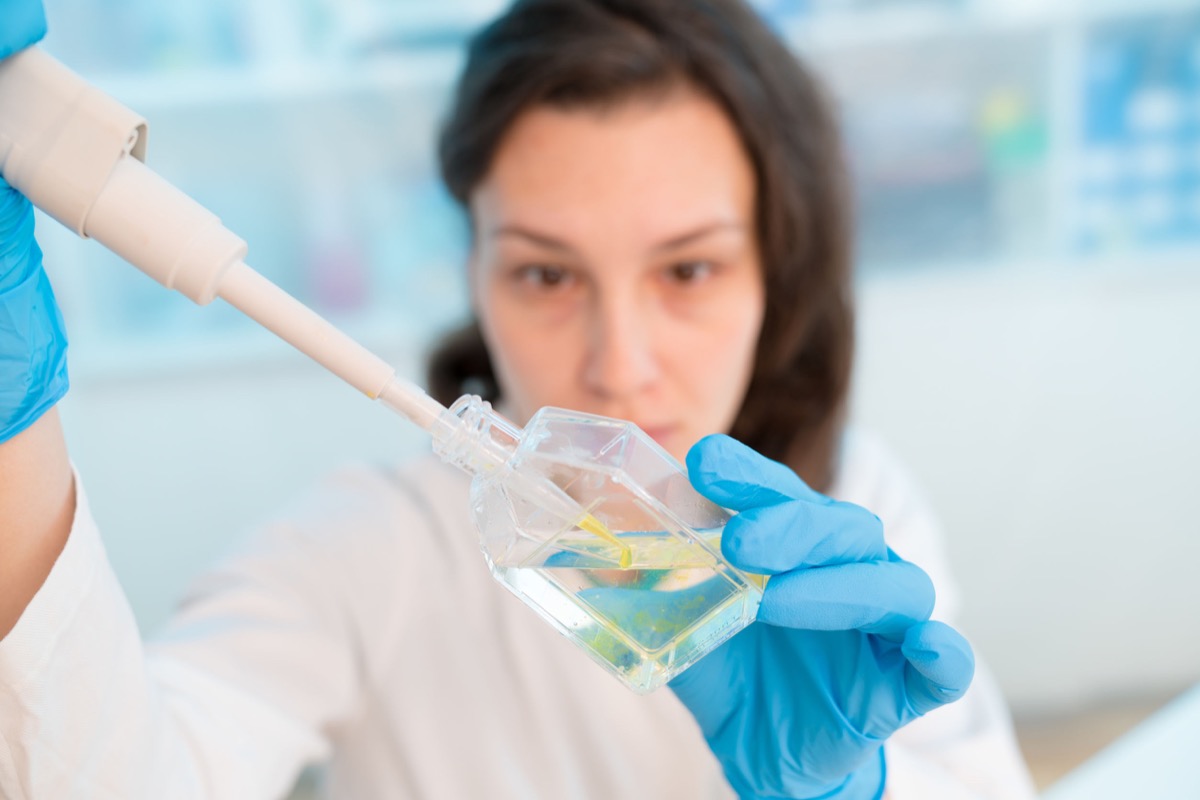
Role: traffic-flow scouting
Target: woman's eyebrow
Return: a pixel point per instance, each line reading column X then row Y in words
column 673, row 243
column 540, row 239
column 707, row 229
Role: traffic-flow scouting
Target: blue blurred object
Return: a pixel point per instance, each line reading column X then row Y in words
column 24, row 24
column 1139, row 185
column 33, row 348
column 843, row 653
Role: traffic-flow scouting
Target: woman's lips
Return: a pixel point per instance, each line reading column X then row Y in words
column 659, row 433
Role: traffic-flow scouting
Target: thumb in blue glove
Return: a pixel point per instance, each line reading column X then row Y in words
column 33, row 345
column 843, row 654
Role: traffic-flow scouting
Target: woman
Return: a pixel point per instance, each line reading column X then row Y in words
column 659, row 234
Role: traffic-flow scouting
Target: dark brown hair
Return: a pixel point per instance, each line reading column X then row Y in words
column 596, row 52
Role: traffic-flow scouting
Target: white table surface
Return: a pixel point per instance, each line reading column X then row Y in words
column 1157, row 760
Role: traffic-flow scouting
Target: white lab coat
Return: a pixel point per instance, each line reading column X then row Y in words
column 363, row 628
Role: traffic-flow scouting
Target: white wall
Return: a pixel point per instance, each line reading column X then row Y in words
column 1052, row 417
column 1055, row 421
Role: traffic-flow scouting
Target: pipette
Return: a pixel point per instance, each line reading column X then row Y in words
column 546, row 498
column 77, row 155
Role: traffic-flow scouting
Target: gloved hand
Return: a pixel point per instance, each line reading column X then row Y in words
column 33, row 348
column 22, row 22
column 842, row 654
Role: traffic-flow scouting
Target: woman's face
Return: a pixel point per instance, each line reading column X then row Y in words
column 616, row 269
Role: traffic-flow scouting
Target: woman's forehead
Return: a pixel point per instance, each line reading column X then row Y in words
column 666, row 165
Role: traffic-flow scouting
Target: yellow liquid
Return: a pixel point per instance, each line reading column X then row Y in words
column 598, row 528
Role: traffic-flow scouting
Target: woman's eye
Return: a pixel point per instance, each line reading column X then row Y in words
column 689, row 271
column 544, row 276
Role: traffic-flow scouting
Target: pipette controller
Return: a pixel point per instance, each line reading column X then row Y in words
column 77, row 154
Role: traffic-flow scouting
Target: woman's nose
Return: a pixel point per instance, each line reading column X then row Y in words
column 620, row 362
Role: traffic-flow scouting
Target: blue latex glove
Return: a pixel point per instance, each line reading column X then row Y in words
column 33, row 348
column 843, row 654
column 22, row 22
column 33, row 363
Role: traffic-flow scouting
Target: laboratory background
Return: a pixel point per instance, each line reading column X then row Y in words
column 1027, row 178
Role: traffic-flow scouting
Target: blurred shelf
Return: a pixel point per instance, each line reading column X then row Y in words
column 436, row 67
column 1163, row 262
column 285, row 83
column 908, row 25
column 100, row 360
column 404, row 60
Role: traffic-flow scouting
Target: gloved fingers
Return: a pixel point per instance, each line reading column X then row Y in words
column 880, row 597
column 940, row 665
column 733, row 475
column 787, row 536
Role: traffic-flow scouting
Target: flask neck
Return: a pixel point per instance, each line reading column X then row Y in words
column 472, row 436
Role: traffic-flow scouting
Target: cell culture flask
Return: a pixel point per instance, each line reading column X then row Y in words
column 593, row 524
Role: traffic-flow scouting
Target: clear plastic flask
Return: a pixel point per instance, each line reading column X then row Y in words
column 593, row 524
